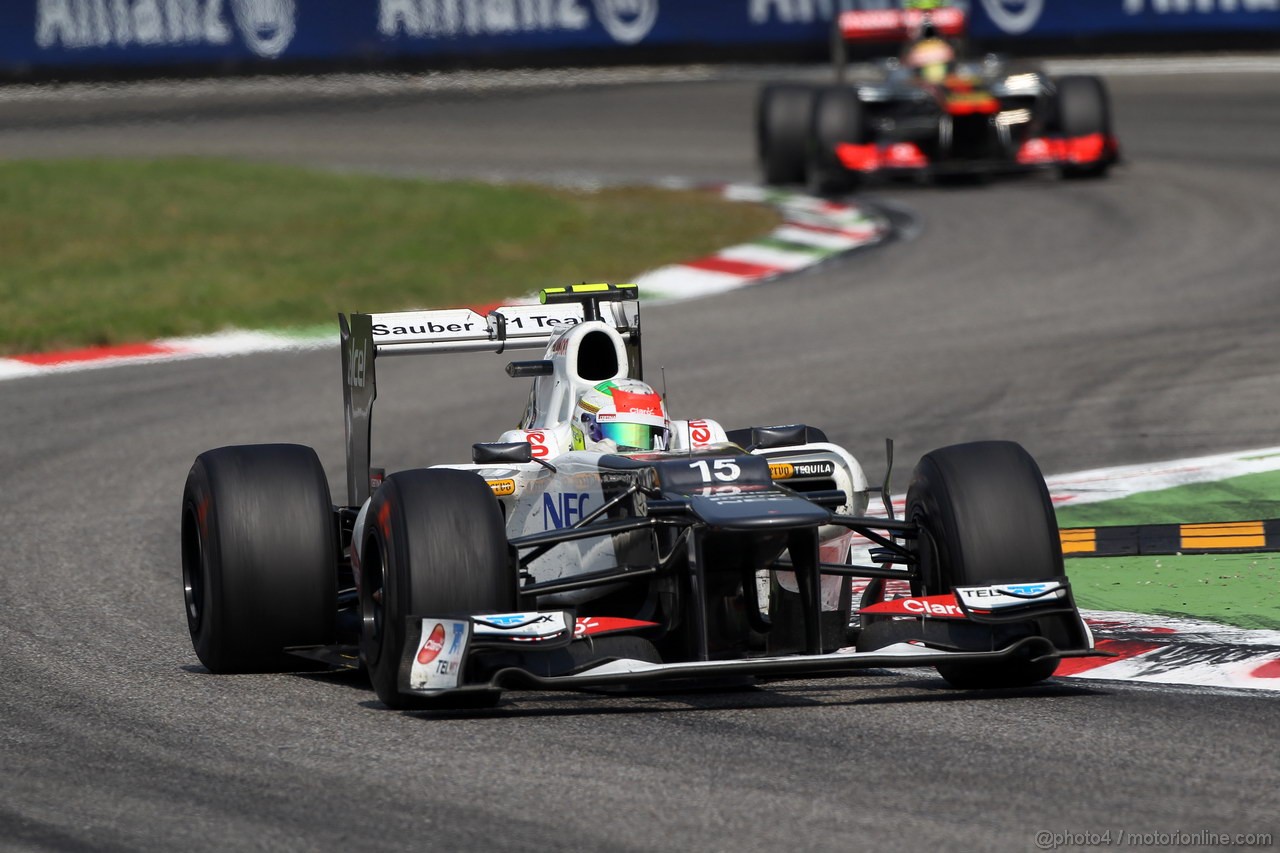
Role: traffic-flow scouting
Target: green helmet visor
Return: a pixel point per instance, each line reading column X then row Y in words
column 635, row 436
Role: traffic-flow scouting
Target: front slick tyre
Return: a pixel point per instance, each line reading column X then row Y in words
column 435, row 546
column 259, row 557
column 985, row 518
column 1084, row 109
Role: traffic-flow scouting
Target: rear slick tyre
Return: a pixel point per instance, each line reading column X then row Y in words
column 838, row 119
column 259, row 557
column 436, row 545
column 782, row 132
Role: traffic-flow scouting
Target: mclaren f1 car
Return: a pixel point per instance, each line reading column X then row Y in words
column 926, row 113
column 602, row 544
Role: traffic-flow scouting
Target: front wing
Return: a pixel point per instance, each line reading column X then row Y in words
column 907, row 158
column 436, row 666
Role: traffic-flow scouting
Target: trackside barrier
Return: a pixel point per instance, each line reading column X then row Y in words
column 44, row 37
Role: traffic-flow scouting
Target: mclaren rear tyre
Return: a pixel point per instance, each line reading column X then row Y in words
column 435, row 545
column 985, row 517
column 838, row 119
column 1083, row 110
column 782, row 132
column 259, row 557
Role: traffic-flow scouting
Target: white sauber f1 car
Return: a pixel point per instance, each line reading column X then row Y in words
column 603, row 545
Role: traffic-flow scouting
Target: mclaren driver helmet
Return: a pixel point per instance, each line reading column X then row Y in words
column 932, row 59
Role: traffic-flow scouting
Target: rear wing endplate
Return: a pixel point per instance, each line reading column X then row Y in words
column 367, row 337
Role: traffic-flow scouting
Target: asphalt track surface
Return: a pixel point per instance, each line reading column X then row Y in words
column 1098, row 323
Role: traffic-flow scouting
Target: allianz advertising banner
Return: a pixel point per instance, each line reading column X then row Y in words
column 70, row 33
column 1050, row 19
column 50, row 34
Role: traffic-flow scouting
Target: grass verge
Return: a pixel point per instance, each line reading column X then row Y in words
column 107, row 252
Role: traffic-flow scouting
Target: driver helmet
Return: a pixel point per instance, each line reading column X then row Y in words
column 931, row 58
column 621, row 415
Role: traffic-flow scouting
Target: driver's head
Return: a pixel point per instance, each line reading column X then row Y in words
column 621, row 415
column 931, row 58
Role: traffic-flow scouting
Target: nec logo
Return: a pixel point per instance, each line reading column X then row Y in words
column 357, row 361
column 564, row 509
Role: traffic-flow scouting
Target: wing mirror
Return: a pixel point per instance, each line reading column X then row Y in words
column 510, row 452
column 506, row 453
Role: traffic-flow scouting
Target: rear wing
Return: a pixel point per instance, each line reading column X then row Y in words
column 368, row 337
column 890, row 25
column 899, row 24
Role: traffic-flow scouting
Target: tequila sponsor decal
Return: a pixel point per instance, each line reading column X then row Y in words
column 788, row 470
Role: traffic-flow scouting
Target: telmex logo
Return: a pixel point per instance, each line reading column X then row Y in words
column 507, row 620
column 1014, row 16
column 1025, row 588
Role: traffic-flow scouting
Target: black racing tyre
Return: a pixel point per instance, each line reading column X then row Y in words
column 435, row 544
column 782, row 131
column 1083, row 108
column 838, row 117
column 985, row 517
column 259, row 557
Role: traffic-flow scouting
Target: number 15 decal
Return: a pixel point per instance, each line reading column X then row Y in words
column 725, row 470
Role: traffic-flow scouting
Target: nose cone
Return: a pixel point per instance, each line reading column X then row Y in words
column 766, row 509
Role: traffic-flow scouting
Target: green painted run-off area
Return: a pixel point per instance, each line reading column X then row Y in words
column 1238, row 589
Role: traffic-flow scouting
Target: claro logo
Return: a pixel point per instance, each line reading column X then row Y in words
column 266, row 27
column 1014, row 16
column 931, row 608
column 432, row 646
